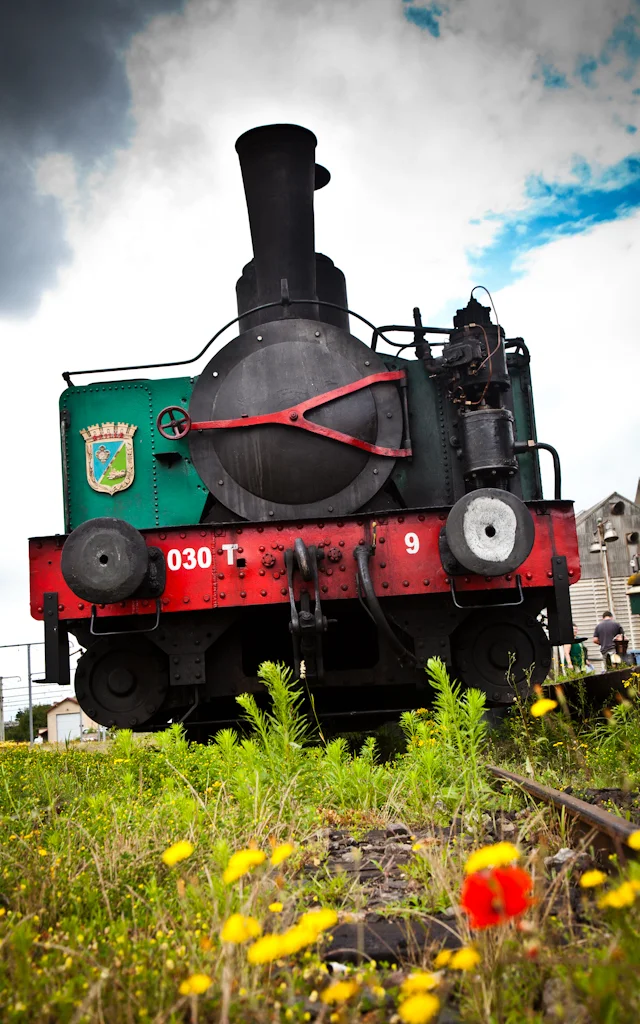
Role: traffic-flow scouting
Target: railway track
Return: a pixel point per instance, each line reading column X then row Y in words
column 382, row 854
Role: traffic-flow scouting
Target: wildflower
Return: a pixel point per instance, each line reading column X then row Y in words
column 634, row 840
column 319, row 920
column 493, row 897
column 179, row 851
column 281, row 853
column 241, row 863
column 443, row 958
column 419, row 1009
column 42, row 851
column 465, row 959
column 195, row 985
column 623, row 896
column 542, row 707
column 266, row 949
column 238, row 928
column 339, row 992
column 296, row 938
column 421, row 981
column 495, row 856
column 276, row 908
column 592, row 878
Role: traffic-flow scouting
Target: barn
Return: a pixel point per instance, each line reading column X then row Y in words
column 609, row 543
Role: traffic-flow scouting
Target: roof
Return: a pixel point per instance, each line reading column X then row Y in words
column 614, row 496
column 63, row 701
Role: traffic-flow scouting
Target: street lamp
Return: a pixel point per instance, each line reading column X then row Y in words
column 606, row 534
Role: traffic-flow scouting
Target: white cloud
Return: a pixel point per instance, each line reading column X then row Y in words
column 421, row 135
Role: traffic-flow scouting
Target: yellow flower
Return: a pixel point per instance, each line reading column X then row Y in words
column 379, row 991
column 496, row 856
column 281, row 853
column 339, row 992
column 592, row 878
column 241, row 863
column 465, row 959
column 542, row 707
column 442, row 958
column 42, row 851
column 419, row 1009
column 296, row 938
column 634, row 840
column 179, row 851
column 238, row 929
column 623, row 896
column 275, row 908
column 421, row 981
column 195, row 985
column 319, row 920
column 266, row 949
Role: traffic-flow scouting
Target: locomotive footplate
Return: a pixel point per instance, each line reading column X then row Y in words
column 237, row 565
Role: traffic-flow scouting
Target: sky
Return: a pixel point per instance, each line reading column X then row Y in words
column 470, row 142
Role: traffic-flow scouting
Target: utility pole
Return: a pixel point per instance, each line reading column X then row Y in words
column 2, row 678
column 30, row 695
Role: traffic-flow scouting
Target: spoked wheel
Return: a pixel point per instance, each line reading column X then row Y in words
column 501, row 653
column 122, row 681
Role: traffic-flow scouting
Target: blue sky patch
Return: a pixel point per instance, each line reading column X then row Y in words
column 586, row 68
column 425, row 16
column 551, row 77
column 557, row 210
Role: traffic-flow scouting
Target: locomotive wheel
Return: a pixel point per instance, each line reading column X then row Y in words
column 484, row 645
column 104, row 560
column 122, row 680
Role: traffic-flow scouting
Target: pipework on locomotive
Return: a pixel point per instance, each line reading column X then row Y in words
column 305, row 498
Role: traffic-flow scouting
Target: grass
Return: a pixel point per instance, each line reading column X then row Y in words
column 95, row 926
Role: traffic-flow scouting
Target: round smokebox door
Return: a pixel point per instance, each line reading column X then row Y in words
column 283, row 471
column 490, row 532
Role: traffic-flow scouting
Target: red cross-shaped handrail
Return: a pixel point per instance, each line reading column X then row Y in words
column 294, row 416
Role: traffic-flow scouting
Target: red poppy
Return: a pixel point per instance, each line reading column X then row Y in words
column 492, row 897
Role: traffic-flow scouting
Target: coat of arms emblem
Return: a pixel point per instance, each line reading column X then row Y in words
column 109, row 456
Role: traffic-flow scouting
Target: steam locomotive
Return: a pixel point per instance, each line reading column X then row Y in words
column 306, row 498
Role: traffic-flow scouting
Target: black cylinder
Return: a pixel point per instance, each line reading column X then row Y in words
column 487, row 442
column 278, row 171
column 330, row 287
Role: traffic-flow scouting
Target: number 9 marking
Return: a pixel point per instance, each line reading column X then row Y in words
column 412, row 543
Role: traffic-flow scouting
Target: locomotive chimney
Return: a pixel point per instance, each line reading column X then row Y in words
column 279, row 174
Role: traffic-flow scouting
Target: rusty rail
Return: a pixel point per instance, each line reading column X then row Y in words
column 613, row 829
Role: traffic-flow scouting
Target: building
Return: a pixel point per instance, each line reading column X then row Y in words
column 606, row 564
column 66, row 721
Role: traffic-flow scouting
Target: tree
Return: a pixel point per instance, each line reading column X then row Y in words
column 19, row 732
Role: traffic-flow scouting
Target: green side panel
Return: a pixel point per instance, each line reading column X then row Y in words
column 163, row 492
column 427, row 477
column 522, row 396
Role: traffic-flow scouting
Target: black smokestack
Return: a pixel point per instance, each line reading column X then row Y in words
column 279, row 175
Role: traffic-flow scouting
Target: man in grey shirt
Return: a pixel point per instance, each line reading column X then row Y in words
column 605, row 633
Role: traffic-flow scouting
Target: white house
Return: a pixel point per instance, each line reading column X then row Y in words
column 67, row 721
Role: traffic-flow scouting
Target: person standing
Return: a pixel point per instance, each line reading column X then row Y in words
column 575, row 654
column 604, row 635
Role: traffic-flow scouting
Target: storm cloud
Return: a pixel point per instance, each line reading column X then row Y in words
column 63, row 89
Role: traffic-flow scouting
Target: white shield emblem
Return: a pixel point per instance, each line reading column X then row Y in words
column 109, row 456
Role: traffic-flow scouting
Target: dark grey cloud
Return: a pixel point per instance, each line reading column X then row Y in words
column 63, row 88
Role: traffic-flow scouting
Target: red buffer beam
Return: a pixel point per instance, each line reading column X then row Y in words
column 242, row 564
